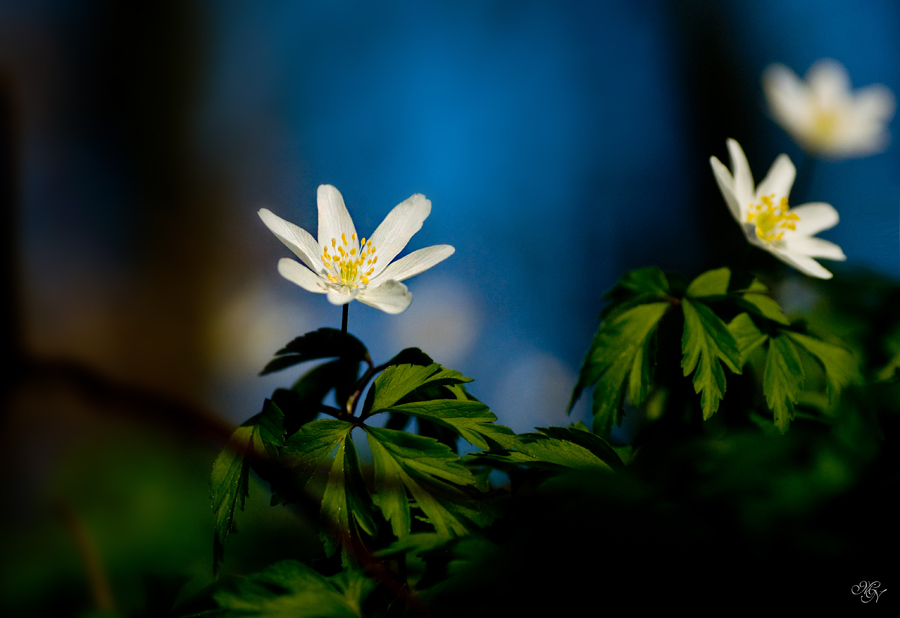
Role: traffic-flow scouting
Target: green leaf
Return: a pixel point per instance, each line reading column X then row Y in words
column 431, row 473
column 557, row 447
column 311, row 445
column 398, row 381
column 637, row 287
column 706, row 341
column 259, row 437
column 783, row 379
column 579, row 434
column 322, row 343
column 410, row 356
column 746, row 335
column 710, row 283
column 290, row 589
column 839, row 363
column 346, row 505
column 757, row 299
column 471, row 420
column 611, row 360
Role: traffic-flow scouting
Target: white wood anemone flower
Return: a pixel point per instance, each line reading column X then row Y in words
column 347, row 268
column 767, row 219
column 824, row 116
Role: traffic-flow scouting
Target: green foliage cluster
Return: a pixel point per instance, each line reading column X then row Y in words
column 725, row 324
column 712, row 372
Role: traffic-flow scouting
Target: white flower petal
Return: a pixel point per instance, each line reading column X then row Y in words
column 875, row 101
column 814, row 247
column 334, row 219
column 815, row 217
column 295, row 272
column 339, row 297
column 404, row 220
column 414, row 263
column 829, row 81
column 779, row 180
column 787, row 95
column 294, row 237
column 743, row 179
column 804, row 264
column 391, row 297
column 726, row 186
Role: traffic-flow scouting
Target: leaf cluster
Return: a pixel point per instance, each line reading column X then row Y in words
column 723, row 322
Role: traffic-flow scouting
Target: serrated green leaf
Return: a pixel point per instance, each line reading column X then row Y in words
column 305, row 451
column 471, row 420
column 259, row 437
column 580, row 435
column 746, row 335
column 637, row 287
column 410, row 356
column 710, row 283
column 783, row 379
column 346, row 509
column 545, row 449
column 230, row 477
column 611, row 359
column 322, row 343
column 765, row 306
column 290, row 589
column 706, row 341
column 398, row 381
column 641, row 373
column 425, row 468
column 839, row 363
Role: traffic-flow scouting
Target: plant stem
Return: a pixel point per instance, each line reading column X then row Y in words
column 346, row 310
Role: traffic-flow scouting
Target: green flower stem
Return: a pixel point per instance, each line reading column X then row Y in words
column 344, row 313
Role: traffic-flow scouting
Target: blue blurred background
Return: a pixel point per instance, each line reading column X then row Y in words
column 561, row 144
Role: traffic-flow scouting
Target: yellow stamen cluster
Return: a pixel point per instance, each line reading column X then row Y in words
column 772, row 219
column 349, row 264
column 824, row 125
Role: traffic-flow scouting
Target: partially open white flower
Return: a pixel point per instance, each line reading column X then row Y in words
column 824, row 116
column 347, row 268
column 767, row 220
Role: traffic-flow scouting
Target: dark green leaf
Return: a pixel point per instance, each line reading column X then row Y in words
column 346, row 506
column 259, row 437
column 398, row 381
column 428, row 470
column 644, row 285
column 706, row 341
column 710, row 283
column 746, row 335
column 783, row 379
column 322, row 343
column 290, row 589
column 840, row 366
column 410, row 356
column 762, row 304
column 579, row 434
column 611, row 359
column 311, row 445
column 471, row 420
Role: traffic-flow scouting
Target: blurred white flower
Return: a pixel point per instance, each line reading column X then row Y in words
column 346, row 268
column 767, row 220
column 824, row 116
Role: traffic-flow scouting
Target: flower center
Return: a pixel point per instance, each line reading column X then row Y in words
column 772, row 219
column 350, row 265
column 824, row 125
